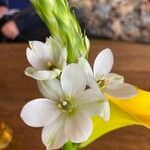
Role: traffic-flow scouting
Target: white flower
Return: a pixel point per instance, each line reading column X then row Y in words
column 65, row 112
column 110, row 83
column 47, row 59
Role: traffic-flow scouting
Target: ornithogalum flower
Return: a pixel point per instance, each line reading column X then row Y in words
column 47, row 59
column 100, row 78
column 65, row 112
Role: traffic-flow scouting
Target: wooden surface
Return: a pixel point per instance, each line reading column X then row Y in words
column 131, row 60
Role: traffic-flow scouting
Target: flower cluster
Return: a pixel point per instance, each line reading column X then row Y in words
column 63, row 26
column 72, row 92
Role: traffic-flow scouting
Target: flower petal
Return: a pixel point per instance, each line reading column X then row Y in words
column 34, row 60
column 122, row 91
column 40, row 49
column 86, row 66
column 138, row 107
column 63, row 59
column 78, row 127
column 55, row 50
column 43, row 74
column 51, row 89
column 38, row 112
column 105, row 110
column 103, row 63
column 114, row 78
column 73, row 80
column 91, row 82
column 53, row 135
column 87, row 43
column 93, row 102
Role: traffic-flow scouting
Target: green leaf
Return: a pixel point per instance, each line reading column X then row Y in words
column 117, row 120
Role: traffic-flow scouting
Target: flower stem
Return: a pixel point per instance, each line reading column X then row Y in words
column 70, row 146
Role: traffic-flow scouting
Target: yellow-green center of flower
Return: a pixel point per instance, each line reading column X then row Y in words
column 67, row 104
column 50, row 66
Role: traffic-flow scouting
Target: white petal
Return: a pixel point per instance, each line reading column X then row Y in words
column 34, row 60
column 122, row 91
column 103, row 63
column 114, row 78
column 55, row 50
column 91, row 82
column 105, row 110
column 73, row 80
column 78, row 127
column 63, row 59
column 51, row 89
column 90, row 96
column 41, row 75
column 93, row 102
column 53, row 135
column 40, row 49
column 38, row 112
column 87, row 41
column 85, row 65
column 30, row 71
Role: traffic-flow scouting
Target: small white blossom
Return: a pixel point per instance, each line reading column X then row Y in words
column 110, row 83
column 47, row 59
column 65, row 112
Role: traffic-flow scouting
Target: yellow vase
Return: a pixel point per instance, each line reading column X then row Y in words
column 5, row 135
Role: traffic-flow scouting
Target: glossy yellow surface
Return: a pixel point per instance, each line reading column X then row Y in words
column 139, row 106
column 5, row 135
column 134, row 111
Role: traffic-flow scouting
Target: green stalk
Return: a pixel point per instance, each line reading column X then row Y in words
column 70, row 146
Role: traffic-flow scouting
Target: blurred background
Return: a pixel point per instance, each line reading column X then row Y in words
column 109, row 19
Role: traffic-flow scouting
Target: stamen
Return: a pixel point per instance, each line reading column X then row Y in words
column 102, row 83
column 50, row 66
column 67, row 104
column 64, row 103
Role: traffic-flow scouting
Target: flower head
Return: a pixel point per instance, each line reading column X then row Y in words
column 47, row 59
column 65, row 112
column 101, row 78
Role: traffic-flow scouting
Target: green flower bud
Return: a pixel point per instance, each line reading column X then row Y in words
column 63, row 26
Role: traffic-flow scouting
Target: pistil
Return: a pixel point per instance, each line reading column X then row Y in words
column 67, row 104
